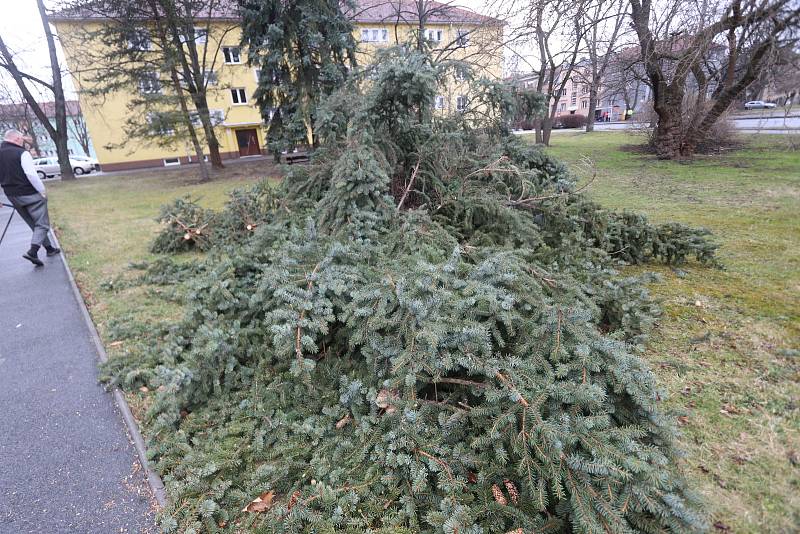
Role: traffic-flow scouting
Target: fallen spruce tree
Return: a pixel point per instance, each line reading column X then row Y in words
column 421, row 331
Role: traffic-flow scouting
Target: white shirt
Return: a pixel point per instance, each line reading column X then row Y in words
column 30, row 171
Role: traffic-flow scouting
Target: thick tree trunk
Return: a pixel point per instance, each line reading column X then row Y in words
column 592, row 108
column 547, row 128
column 667, row 135
column 201, row 103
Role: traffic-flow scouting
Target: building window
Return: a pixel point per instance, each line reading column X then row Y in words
column 563, row 107
column 461, row 103
column 217, row 116
column 139, row 40
column 585, row 89
column 160, row 124
column 439, row 102
column 462, row 73
column 171, row 162
column 149, row 84
column 210, row 77
column 563, row 92
column 232, row 55
column 462, row 37
column 573, row 99
column 200, row 35
column 584, row 104
column 434, row 35
column 257, row 73
column 239, row 96
column 375, row 35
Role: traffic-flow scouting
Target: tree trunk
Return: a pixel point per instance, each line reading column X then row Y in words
column 667, row 135
column 201, row 103
column 547, row 128
column 592, row 108
column 61, row 137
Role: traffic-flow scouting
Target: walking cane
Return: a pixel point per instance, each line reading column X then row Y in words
column 9, row 220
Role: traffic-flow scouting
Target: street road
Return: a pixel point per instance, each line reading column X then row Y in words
column 767, row 124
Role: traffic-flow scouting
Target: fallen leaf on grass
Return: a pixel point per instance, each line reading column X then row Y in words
column 722, row 527
column 794, row 459
column 730, row 409
column 115, row 344
column 683, row 420
column 262, row 503
column 144, row 389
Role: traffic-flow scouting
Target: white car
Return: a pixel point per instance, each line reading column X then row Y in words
column 47, row 167
column 759, row 104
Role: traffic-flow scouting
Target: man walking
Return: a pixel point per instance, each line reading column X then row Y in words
column 26, row 192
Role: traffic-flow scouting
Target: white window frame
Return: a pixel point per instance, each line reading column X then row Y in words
column 172, row 162
column 461, row 74
column 462, row 38
column 200, row 35
column 257, row 74
column 217, row 116
column 150, row 85
column 143, row 42
column 434, row 35
column 150, row 120
column 563, row 107
column 461, row 103
column 228, row 54
column 210, row 77
column 237, row 93
column 374, row 35
column 584, row 104
column 573, row 99
column 439, row 102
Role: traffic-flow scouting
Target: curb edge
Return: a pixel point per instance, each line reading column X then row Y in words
column 153, row 479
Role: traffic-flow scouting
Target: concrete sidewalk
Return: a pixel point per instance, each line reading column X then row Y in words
column 66, row 461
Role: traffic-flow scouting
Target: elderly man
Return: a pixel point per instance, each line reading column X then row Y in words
column 26, row 192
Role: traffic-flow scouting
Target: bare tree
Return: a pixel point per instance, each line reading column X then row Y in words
column 551, row 36
column 709, row 53
column 80, row 132
column 58, row 132
column 603, row 23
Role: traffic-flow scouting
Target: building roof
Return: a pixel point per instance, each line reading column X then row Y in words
column 366, row 11
column 49, row 108
column 383, row 11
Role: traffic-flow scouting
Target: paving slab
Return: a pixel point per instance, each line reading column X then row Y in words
column 67, row 463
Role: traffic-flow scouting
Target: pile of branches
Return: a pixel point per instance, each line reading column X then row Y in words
column 422, row 331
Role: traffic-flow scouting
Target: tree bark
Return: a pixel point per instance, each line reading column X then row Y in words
column 592, row 108
column 62, row 133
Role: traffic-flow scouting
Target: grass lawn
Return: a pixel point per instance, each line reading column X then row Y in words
column 727, row 348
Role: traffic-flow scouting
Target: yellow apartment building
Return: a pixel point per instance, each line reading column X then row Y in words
column 455, row 33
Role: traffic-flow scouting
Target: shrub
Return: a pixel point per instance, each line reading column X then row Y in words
column 571, row 121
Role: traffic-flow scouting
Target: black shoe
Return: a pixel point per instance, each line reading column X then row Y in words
column 34, row 259
column 52, row 251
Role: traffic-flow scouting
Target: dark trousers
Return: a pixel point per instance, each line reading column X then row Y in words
column 33, row 210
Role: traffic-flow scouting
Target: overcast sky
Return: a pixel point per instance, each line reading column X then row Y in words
column 22, row 32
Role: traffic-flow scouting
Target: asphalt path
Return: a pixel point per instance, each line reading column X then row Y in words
column 766, row 124
column 67, row 464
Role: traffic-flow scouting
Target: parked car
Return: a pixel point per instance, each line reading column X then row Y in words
column 93, row 161
column 47, row 167
column 759, row 104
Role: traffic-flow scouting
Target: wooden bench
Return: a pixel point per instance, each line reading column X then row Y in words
column 299, row 155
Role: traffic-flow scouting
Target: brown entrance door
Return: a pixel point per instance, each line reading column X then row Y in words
column 248, row 142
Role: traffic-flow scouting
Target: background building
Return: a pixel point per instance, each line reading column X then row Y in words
column 21, row 117
column 459, row 33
